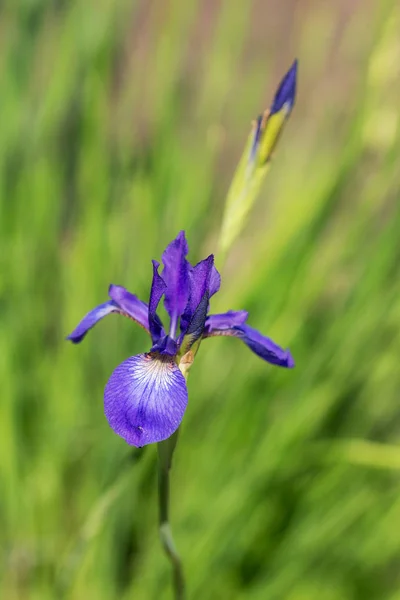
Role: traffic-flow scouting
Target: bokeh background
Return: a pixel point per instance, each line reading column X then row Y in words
column 122, row 122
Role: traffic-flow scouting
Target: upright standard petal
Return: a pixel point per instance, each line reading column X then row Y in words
column 90, row 320
column 158, row 288
column 215, row 281
column 176, row 277
column 145, row 399
column 199, row 283
column 187, row 340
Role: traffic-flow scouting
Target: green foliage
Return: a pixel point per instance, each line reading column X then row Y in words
column 122, row 123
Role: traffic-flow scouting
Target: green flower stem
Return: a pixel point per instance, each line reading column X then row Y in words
column 165, row 452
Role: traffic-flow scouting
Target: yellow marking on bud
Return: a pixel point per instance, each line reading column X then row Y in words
column 272, row 128
column 249, row 175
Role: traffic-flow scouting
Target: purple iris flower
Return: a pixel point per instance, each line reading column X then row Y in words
column 146, row 396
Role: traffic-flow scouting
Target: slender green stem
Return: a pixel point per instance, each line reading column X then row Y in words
column 165, row 452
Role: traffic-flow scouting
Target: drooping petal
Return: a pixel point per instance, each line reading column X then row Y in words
column 264, row 347
column 176, row 277
column 122, row 302
column 217, row 324
column 130, row 304
column 145, row 399
column 233, row 324
column 90, row 320
column 158, row 288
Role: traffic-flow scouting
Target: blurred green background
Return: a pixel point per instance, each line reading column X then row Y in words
column 122, row 123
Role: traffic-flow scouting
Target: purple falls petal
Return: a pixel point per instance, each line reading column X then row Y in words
column 158, row 288
column 264, row 347
column 176, row 277
column 90, row 320
column 130, row 305
column 286, row 93
column 145, row 399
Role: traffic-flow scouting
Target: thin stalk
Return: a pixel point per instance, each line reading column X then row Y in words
column 165, row 452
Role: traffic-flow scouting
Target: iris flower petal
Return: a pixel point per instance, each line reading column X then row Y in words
column 158, row 288
column 90, row 320
column 215, row 281
column 122, row 302
column 199, row 283
column 130, row 304
column 264, row 347
column 195, row 328
column 176, row 277
column 233, row 324
column 217, row 324
column 145, row 399
column 165, row 345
